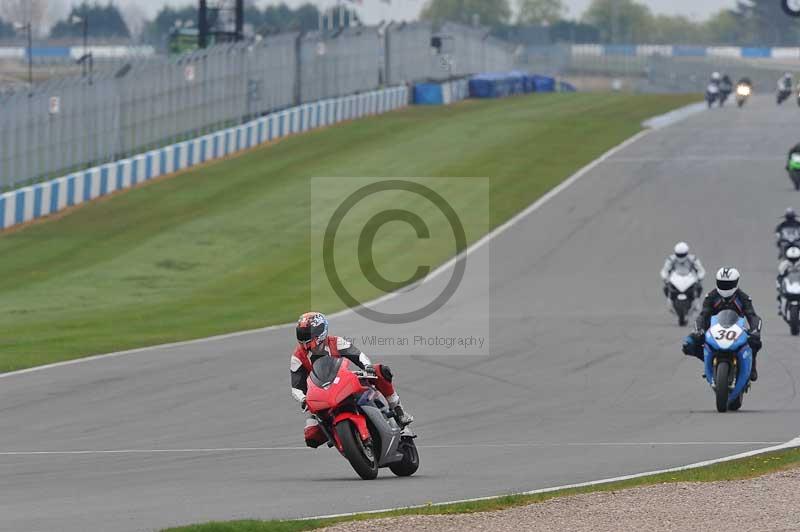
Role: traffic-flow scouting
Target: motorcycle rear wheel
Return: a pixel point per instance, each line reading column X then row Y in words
column 360, row 454
column 410, row 462
column 721, row 381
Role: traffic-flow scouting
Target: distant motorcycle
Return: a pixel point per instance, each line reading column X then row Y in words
column 743, row 93
column 724, row 92
column 793, row 167
column 788, row 237
column 728, row 359
column 681, row 290
column 783, row 95
column 712, row 94
column 789, row 299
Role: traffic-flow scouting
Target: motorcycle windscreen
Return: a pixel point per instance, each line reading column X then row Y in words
column 727, row 319
column 790, row 234
column 325, row 370
column 791, row 283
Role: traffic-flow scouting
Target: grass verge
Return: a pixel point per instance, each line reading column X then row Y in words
column 225, row 247
column 734, row 470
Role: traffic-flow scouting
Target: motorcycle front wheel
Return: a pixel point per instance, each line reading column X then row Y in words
column 721, row 381
column 410, row 462
column 360, row 454
column 794, row 321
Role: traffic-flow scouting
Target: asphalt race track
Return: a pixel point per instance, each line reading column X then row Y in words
column 586, row 380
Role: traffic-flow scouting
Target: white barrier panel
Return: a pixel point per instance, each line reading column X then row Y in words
column 785, row 53
column 595, row 50
column 647, row 50
column 724, row 51
column 111, row 52
column 12, row 53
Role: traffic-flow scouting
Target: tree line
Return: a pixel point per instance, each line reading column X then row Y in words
column 751, row 22
column 106, row 21
column 754, row 22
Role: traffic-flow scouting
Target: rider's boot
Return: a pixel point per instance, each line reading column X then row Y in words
column 403, row 418
column 753, row 371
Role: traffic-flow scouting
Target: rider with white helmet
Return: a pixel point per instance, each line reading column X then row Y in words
column 785, row 83
column 726, row 296
column 682, row 258
column 790, row 263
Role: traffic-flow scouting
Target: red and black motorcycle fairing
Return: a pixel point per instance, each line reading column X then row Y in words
column 357, row 420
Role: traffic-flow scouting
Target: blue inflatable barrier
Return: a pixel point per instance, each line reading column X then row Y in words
column 489, row 85
column 544, row 83
column 428, row 94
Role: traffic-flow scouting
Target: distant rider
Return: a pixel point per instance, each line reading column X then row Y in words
column 313, row 342
column 727, row 296
column 681, row 258
column 716, row 78
column 785, row 83
column 795, row 149
column 726, row 85
column 789, row 264
column 789, row 224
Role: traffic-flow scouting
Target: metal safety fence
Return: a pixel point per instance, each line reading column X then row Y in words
column 657, row 68
column 68, row 124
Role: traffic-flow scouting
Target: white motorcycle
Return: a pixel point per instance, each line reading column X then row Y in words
column 712, row 95
column 789, row 301
column 681, row 291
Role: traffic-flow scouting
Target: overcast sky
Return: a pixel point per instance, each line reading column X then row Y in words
column 375, row 10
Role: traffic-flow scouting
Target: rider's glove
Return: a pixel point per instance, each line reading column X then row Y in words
column 304, row 405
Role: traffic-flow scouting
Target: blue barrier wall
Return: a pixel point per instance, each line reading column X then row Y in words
column 756, row 52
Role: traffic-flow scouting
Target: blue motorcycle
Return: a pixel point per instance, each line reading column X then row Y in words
column 728, row 359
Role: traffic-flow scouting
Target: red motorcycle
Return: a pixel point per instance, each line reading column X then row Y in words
column 356, row 418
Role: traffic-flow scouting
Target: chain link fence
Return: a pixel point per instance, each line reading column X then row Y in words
column 63, row 125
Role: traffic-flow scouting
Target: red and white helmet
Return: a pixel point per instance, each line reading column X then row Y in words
column 312, row 330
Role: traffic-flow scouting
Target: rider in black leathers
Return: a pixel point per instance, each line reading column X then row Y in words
column 789, row 221
column 727, row 296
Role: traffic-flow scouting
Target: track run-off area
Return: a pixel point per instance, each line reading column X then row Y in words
column 585, row 379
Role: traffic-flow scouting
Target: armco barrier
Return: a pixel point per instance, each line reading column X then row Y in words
column 36, row 201
column 649, row 50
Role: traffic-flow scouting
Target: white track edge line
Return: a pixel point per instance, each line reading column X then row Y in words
column 788, row 445
column 304, row 448
column 477, row 245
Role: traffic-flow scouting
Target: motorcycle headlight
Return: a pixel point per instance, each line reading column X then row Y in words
column 743, row 90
